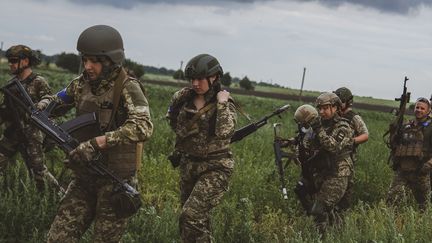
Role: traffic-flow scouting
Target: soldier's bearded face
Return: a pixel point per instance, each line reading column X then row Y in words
column 421, row 110
column 200, row 85
column 93, row 67
column 327, row 111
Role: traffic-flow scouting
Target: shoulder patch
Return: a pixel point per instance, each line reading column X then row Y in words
column 340, row 136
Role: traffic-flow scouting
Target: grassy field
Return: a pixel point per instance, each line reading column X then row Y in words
column 253, row 209
column 290, row 91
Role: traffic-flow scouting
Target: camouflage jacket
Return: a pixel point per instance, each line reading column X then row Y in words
column 332, row 146
column 37, row 87
column 356, row 122
column 210, row 133
column 133, row 110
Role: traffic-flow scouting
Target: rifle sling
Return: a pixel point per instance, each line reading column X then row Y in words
column 203, row 110
column 118, row 87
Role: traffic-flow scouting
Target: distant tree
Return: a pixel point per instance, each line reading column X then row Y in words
column 179, row 75
column 246, row 84
column 235, row 80
column 68, row 61
column 226, row 79
column 134, row 67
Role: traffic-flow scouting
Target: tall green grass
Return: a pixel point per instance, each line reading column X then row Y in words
column 252, row 210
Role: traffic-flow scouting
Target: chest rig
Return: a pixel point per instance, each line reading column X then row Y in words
column 411, row 142
column 195, row 132
column 120, row 159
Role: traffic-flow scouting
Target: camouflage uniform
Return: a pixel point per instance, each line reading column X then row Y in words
column 409, row 156
column 22, row 136
column 206, row 161
column 359, row 127
column 87, row 198
column 329, row 166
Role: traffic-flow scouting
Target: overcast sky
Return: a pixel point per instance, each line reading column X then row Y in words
column 367, row 46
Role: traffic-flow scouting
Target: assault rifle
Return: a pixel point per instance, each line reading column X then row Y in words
column 395, row 128
column 61, row 134
column 251, row 128
column 278, row 143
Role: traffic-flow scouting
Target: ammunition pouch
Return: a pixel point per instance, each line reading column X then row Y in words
column 409, row 150
column 175, row 158
column 124, row 202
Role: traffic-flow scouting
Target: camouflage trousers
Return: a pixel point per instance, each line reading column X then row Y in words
column 419, row 183
column 331, row 189
column 32, row 153
column 346, row 200
column 202, row 185
column 87, row 201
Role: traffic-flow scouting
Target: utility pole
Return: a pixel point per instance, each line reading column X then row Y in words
column 301, row 88
column 181, row 65
column 1, row 47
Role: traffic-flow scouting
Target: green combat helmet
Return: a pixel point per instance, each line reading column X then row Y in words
column 328, row 98
column 102, row 40
column 21, row 52
column 304, row 114
column 345, row 95
column 202, row 66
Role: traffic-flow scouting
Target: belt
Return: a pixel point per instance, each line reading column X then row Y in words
column 221, row 154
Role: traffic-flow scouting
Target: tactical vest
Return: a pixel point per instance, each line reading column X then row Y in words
column 121, row 158
column 411, row 142
column 327, row 160
column 349, row 115
column 198, row 139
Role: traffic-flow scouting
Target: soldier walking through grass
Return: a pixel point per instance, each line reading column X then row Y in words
column 123, row 122
column 20, row 135
column 412, row 157
column 203, row 118
column 361, row 135
column 330, row 146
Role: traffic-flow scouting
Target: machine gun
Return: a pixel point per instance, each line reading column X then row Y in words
column 395, row 128
column 60, row 134
column 251, row 128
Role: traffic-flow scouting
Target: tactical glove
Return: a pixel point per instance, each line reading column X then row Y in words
column 315, row 123
column 42, row 104
column 86, row 151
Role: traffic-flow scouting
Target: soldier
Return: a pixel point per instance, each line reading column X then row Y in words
column 329, row 158
column 20, row 135
column 124, row 121
column 306, row 150
column 412, row 158
column 361, row 135
column 203, row 118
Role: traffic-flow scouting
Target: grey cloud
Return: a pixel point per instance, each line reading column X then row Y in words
column 389, row 6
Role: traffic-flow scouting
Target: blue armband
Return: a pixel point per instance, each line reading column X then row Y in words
column 64, row 97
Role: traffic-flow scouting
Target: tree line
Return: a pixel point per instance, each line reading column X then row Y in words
column 72, row 63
